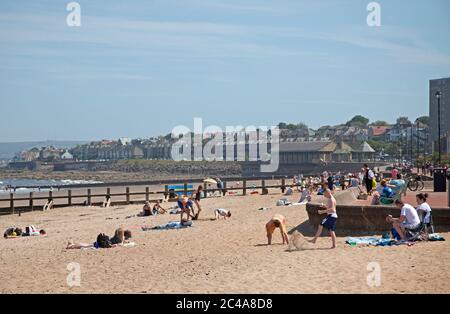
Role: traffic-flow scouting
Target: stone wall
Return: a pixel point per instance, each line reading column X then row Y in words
column 367, row 219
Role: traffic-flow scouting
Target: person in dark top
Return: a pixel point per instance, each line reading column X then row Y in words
column 197, row 197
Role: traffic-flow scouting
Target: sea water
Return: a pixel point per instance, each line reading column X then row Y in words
column 31, row 185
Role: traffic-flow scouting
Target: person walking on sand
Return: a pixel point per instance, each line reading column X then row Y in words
column 277, row 221
column 330, row 221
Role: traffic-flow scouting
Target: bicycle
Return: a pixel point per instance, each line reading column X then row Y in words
column 415, row 183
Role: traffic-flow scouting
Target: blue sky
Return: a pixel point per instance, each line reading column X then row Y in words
column 139, row 68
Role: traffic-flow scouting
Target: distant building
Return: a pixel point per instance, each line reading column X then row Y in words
column 67, row 156
column 443, row 86
column 109, row 150
column 378, row 132
column 323, row 152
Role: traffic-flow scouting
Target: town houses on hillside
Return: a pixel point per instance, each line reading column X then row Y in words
column 344, row 142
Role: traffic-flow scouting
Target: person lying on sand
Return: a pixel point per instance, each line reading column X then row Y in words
column 330, row 221
column 186, row 207
column 121, row 237
column 277, row 221
column 225, row 213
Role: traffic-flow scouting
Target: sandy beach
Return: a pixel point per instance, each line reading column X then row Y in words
column 226, row 256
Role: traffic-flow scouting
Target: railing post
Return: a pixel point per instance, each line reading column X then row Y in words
column 448, row 191
column 128, row 195
column 108, row 192
column 50, row 195
column 147, row 194
column 283, row 185
column 224, row 188
column 69, row 197
column 11, row 201
column 244, row 187
column 31, row 201
column 89, row 197
column 185, row 189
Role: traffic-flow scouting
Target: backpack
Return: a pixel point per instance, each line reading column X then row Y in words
column 103, row 241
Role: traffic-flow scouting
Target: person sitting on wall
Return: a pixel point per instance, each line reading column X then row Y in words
column 385, row 195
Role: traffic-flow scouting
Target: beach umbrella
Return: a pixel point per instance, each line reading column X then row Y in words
column 210, row 181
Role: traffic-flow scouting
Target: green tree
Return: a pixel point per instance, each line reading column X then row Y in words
column 379, row 123
column 424, row 119
column 403, row 120
column 358, row 120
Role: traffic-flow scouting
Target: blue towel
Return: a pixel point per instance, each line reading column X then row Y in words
column 174, row 225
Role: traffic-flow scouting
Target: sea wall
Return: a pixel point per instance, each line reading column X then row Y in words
column 367, row 219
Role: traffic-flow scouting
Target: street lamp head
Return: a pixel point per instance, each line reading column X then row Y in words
column 438, row 94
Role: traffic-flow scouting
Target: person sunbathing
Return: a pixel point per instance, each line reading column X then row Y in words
column 147, row 210
column 220, row 212
column 277, row 221
column 121, row 237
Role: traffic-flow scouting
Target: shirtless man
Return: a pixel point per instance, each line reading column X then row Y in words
column 330, row 221
column 277, row 221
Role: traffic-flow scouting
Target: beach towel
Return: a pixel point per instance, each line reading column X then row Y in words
column 170, row 225
column 372, row 241
column 96, row 247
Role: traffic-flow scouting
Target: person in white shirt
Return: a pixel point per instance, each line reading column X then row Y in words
column 423, row 207
column 409, row 219
column 330, row 221
column 220, row 212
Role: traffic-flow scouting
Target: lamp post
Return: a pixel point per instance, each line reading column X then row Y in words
column 438, row 96
column 411, row 137
column 417, row 141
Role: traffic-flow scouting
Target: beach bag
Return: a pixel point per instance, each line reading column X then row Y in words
column 374, row 184
column 103, row 241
